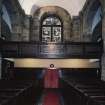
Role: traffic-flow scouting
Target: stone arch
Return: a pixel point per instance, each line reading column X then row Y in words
column 7, row 7
column 61, row 12
column 6, row 19
column 89, row 12
column 16, row 15
column 14, row 9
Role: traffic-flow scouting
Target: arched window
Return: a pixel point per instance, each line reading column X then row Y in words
column 51, row 29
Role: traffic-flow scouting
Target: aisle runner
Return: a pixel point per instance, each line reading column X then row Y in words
column 51, row 98
column 51, row 78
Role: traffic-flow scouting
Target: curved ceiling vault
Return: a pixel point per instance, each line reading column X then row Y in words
column 72, row 6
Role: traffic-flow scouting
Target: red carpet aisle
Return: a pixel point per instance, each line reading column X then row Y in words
column 51, row 98
column 51, row 78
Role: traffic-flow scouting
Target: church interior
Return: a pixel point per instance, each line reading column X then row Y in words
column 52, row 52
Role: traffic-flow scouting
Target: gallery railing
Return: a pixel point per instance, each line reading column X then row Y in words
column 51, row 50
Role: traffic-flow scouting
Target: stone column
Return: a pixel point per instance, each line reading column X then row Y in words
column 17, row 28
column 0, row 15
column 0, row 36
column 35, row 29
column 0, row 66
column 103, row 36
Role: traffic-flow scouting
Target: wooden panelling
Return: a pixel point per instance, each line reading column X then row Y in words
column 51, row 50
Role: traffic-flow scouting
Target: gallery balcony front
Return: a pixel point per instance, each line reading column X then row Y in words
column 10, row 49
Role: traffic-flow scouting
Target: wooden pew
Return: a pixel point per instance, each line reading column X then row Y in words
column 86, row 92
column 14, row 92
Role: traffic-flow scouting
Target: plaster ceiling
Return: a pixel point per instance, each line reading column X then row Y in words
column 72, row 6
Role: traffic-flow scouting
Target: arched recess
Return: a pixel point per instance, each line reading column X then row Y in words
column 53, row 11
column 6, row 19
column 12, row 15
column 12, row 8
column 93, row 20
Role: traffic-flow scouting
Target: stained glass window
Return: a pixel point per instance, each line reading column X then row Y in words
column 51, row 29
